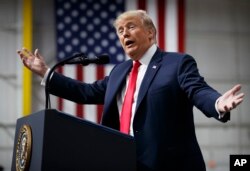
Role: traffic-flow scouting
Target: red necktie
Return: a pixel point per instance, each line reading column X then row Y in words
column 128, row 100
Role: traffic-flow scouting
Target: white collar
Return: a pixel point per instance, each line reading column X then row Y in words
column 148, row 55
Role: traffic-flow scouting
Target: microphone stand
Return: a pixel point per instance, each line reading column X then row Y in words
column 61, row 63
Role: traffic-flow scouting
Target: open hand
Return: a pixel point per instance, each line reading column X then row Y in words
column 34, row 62
column 230, row 99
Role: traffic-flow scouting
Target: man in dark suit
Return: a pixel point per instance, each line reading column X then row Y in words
column 168, row 85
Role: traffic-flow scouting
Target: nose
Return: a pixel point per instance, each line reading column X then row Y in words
column 125, row 33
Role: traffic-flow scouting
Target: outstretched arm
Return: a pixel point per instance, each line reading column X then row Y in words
column 230, row 99
column 34, row 62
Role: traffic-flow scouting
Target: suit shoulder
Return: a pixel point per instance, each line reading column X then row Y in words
column 121, row 66
column 176, row 55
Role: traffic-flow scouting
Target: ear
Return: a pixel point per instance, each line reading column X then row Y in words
column 150, row 33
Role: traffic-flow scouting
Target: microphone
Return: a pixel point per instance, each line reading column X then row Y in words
column 83, row 60
column 78, row 58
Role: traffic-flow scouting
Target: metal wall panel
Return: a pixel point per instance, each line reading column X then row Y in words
column 218, row 36
column 10, row 80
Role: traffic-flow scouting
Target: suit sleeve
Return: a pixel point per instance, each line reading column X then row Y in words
column 198, row 91
column 77, row 91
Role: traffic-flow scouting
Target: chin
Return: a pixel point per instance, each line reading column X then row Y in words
column 130, row 53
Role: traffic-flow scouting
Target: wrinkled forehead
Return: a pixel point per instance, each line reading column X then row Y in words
column 123, row 19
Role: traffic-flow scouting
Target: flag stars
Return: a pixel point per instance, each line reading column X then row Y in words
column 83, row 49
column 68, row 48
column 104, row 29
column 112, row 7
column 120, row 57
column 96, row 21
column 104, row 14
column 67, row 5
column 75, row 41
column 103, row 1
column 90, row 27
column 60, row 40
column 83, row 34
column 74, row 13
column 67, row 20
column 83, row 6
column 90, row 13
column 97, row 6
column 86, row 26
column 61, row 55
column 90, row 41
column 67, row 34
column 112, row 50
column 97, row 35
column 60, row 26
column 112, row 36
column 118, row 44
column 75, row 27
column 104, row 43
column 98, row 49
column 60, row 12
column 83, row 20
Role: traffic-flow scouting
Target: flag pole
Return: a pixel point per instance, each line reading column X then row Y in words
column 27, row 42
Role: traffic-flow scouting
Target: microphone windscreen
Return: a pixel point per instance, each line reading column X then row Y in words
column 103, row 59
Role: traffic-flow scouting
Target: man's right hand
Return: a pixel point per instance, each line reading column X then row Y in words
column 34, row 62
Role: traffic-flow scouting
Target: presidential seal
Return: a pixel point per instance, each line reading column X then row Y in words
column 23, row 148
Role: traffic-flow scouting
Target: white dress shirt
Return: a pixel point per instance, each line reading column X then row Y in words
column 141, row 72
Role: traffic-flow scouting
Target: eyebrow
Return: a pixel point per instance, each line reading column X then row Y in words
column 129, row 23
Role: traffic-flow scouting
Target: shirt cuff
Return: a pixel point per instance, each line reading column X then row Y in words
column 43, row 82
column 221, row 115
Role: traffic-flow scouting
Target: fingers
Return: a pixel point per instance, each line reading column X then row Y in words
column 37, row 54
column 236, row 89
column 234, row 103
column 231, row 100
column 24, row 53
column 27, row 57
column 22, row 56
column 25, row 62
column 239, row 96
column 228, row 108
column 233, row 90
column 27, row 51
column 238, row 100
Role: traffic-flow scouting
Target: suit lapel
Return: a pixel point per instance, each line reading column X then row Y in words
column 117, row 81
column 152, row 69
column 118, row 78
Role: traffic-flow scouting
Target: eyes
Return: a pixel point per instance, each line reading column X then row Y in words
column 129, row 27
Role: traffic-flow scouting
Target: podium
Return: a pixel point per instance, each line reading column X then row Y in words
column 50, row 140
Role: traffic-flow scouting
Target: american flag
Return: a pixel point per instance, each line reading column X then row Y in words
column 86, row 26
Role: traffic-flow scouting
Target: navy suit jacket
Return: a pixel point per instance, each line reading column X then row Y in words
column 163, row 124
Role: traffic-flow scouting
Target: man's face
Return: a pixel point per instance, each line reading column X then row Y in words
column 134, row 37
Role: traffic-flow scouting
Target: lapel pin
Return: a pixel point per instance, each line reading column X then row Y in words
column 154, row 67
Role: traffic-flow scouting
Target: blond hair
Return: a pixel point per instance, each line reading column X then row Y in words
column 145, row 19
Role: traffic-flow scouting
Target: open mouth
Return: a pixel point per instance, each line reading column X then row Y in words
column 129, row 43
